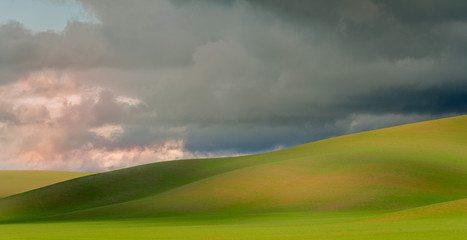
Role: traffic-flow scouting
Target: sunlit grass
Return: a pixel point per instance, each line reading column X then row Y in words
column 14, row 182
column 274, row 226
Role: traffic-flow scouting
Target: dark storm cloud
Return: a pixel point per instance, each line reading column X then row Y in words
column 427, row 11
column 77, row 47
column 331, row 10
column 380, row 29
column 254, row 138
column 436, row 99
column 242, row 76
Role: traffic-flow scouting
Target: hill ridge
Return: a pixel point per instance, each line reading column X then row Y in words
column 390, row 169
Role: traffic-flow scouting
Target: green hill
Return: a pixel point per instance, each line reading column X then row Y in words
column 14, row 182
column 383, row 170
column 438, row 210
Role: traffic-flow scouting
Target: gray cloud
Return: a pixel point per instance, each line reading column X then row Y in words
column 238, row 76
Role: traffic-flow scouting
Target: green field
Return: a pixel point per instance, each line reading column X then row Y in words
column 343, row 226
column 406, row 182
column 14, row 182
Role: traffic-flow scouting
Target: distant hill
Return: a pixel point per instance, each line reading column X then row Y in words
column 389, row 169
column 14, row 182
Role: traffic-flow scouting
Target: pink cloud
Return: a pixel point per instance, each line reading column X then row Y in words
column 56, row 123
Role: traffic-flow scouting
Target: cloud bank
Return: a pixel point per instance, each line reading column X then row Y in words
column 162, row 80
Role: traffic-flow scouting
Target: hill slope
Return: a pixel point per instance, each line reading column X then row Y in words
column 14, row 182
column 388, row 169
column 438, row 210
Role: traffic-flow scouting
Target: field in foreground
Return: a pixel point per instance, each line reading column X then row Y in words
column 279, row 226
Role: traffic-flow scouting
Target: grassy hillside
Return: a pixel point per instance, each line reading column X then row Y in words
column 14, row 182
column 440, row 210
column 383, row 170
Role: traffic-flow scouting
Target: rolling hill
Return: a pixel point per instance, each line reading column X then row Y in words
column 389, row 169
column 438, row 210
column 14, row 182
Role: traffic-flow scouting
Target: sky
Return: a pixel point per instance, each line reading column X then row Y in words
column 44, row 15
column 100, row 85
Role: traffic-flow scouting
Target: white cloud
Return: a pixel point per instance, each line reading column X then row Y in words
column 109, row 132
